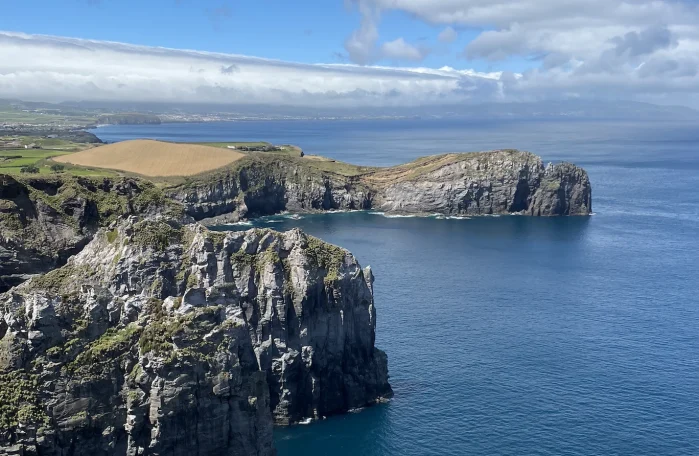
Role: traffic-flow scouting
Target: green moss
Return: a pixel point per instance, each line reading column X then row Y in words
column 242, row 259
column 133, row 396
column 326, row 256
column 135, row 373
column 157, row 337
column 192, row 281
column 112, row 235
column 116, row 258
column 154, row 307
column 553, row 186
column 288, row 285
column 190, row 330
column 217, row 239
column 10, row 224
column 156, row 235
column 185, row 260
column 54, row 352
column 112, row 343
column 269, row 256
column 19, row 401
column 62, row 278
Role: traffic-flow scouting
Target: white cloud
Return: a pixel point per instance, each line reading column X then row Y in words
column 400, row 50
column 35, row 67
column 448, row 35
column 643, row 49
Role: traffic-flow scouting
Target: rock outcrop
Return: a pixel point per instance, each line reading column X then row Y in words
column 486, row 183
column 166, row 339
column 500, row 182
column 45, row 220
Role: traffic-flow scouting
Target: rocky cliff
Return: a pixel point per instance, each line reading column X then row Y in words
column 166, row 339
column 45, row 220
column 497, row 182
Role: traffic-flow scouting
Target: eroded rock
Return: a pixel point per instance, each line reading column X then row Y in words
column 164, row 339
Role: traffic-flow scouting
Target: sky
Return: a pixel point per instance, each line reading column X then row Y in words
column 350, row 52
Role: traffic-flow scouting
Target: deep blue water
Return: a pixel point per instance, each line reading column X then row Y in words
column 516, row 335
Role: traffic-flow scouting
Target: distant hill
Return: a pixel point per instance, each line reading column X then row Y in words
column 128, row 112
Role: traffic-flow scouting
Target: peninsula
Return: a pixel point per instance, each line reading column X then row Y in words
column 241, row 185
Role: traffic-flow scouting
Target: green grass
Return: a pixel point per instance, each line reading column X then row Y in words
column 337, row 167
column 40, row 158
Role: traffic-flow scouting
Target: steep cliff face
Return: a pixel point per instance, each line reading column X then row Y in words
column 43, row 221
column 163, row 339
column 497, row 182
column 268, row 184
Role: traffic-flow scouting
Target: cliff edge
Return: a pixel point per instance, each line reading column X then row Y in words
column 168, row 339
column 482, row 183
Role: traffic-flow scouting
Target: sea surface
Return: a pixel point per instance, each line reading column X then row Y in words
column 515, row 335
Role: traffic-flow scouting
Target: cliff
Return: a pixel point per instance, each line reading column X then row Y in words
column 166, row 339
column 497, row 182
column 45, row 220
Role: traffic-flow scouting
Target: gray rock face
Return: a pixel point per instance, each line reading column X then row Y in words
column 43, row 221
column 498, row 182
column 268, row 185
column 162, row 339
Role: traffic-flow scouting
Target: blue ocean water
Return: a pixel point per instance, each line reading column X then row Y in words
column 515, row 335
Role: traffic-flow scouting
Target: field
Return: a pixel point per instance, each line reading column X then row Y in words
column 13, row 160
column 154, row 158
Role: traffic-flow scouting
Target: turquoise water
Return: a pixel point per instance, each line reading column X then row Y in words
column 515, row 335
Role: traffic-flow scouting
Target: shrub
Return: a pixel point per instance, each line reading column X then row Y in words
column 29, row 169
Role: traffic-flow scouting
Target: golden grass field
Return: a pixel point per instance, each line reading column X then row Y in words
column 154, row 158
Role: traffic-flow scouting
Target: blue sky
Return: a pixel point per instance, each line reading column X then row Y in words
column 393, row 52
column 310, row 31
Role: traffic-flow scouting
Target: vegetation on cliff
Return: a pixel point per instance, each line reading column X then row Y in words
column 118, row 333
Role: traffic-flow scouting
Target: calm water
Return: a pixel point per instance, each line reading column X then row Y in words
column 514, row 335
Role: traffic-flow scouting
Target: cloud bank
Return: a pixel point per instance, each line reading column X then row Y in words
column 34, row 67
column 649, row 53
column 641, row 49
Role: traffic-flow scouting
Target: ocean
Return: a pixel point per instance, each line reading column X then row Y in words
column 516, row 335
